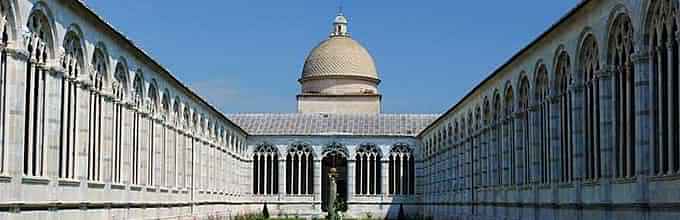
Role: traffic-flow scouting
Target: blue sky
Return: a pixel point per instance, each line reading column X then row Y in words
column 246, row 55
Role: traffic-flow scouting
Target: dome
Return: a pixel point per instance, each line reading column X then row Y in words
column 339, row 56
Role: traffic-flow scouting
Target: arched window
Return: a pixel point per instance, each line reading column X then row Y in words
column 165, row 104
column 509, row 159
column 367, row 170
column 523, row 109
column 98, row 73
column 151, row 159
column 590, row 65
column 402, row 170
column 138, row 86
column 562, row 83
column 72, row 62
column 5, row 25
column 486, row 145
column 620, row 50
column 166, row 148
column 188, row 146
column 461, row 154
column 300, row 170
column 38, row 44
column 469, row 156
column 179, row 143
column 664, row 70
column 542, row 125
column 476, row 147
column 449, row 134
column 265, row 170
column 186, row 118
column 120, row 88
column 496, row 140
column 195, row 124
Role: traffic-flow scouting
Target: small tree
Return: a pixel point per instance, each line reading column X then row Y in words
column 265, row 211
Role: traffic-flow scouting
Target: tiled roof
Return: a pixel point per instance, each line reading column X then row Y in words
column 332, row 124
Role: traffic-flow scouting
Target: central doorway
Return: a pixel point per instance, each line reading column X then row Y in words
column 338, row 161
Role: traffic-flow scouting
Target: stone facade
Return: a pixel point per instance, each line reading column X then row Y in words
column 375, row 201
column 581, row 124
column 93, row 128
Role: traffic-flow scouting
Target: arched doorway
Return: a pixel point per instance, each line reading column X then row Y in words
column 334, row 157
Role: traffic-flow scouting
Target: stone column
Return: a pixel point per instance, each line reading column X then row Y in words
column 643, row 124
column 555, row 144
column 385, row 169
column 300, row 158
column 497, row 158
column 317, row 180
column 520, row 148
column 534, row 155
column 13, row 135
column 351, row 170
column 606, row 133
column 283, row 175
column 670, row 74
column 484, row 163
column 578, row 138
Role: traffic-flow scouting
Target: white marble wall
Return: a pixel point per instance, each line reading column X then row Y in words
column 567, row 193
column 184, row 150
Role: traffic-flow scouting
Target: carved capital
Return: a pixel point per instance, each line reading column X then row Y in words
column 57, row 72
column 640, row 57
column 20, row 54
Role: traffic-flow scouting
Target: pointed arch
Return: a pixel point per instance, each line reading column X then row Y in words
column 120, row 87
column 154, row 96
column 8, row 18
column 402, row 170
column 589, row 66
column 300, row 169
column 335, row 148
column 40, row 50
column 524, row 127
column 138, row 86
column 121, row 82
column 40, row 37
column 661, row 29
column 100, row 67
column 73, row 57
column 165, row 103
column 367, row 167
column 620, row 49
column 98, row 73
column 508, row 146
column 265, row 169
column 542, row 125
column 72, row 62
column 563, row 80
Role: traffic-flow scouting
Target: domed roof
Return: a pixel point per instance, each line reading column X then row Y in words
column 339, row 55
